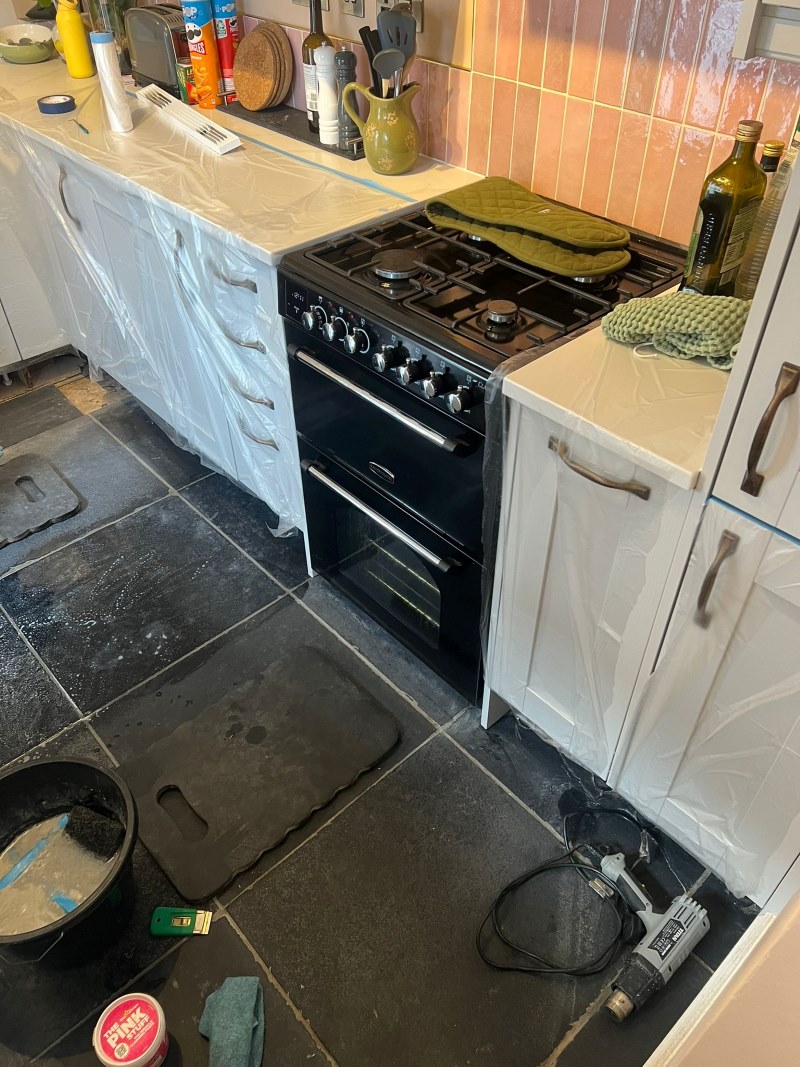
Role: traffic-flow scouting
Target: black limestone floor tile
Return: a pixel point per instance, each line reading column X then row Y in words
column 32, row 708
column 409, row 674
column 229, row 673
column 77, row 742
column 630, row 1043
column 109, row 481
column 247, row 521
column 40, row 1003
column 729, row 916
column 129, row 422
column 370, row 927
column 119, row 605
column 181, row 982
column 34, row 413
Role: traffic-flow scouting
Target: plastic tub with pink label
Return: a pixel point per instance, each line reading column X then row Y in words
column 132, row 1031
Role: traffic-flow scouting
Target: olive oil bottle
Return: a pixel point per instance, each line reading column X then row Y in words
column 728, row 205
column 315, row 39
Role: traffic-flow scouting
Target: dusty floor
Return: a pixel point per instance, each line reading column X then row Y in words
column 361, row 924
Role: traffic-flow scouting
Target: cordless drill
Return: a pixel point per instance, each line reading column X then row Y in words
column 669, row 938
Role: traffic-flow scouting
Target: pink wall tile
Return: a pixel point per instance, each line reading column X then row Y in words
column 617, row 41
column 683, row 41
column 628, row 165
column 748, row 80
column 687, row 184
column 548, row 143
column 648, row 44
column 720, row 151
column 781, row 102
column 485, row 36
column 363, row 70
column 577, row 124
column 525, row 126
column 711, row 74
column 509, row 28
column 419, row 73
column 458, row 111
column 503, row 112
column 559, row 45
column 534, row 34
column 480, row 120
column 600, row 158
column 438, row 93
column 586, row 48
column 656, row 176
column 298, row 86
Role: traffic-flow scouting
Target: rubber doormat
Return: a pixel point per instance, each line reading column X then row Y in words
column 32, row 495
column 230, row 784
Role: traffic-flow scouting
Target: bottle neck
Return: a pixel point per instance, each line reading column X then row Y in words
column 744, row 150
column 316, row 16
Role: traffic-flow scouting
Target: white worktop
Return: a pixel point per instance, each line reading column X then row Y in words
column 659, row 409
column 272, row 194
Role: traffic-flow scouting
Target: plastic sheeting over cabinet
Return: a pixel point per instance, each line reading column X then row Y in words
column 715, row 755
column 184, row 319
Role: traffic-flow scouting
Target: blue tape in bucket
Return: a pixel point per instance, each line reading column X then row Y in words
column 58, row 104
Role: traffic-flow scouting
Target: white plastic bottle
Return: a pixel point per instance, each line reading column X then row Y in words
column 764, row 226
column 118, row 109
column 327, row 99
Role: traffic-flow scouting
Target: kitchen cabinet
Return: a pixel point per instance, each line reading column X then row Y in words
column 714, row 758
column 587, row 537
column 9, row 353
column 771, row 30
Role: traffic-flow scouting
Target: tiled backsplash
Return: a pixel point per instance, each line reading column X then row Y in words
column 617, row 106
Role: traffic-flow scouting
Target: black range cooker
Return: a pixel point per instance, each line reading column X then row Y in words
column 393, row 332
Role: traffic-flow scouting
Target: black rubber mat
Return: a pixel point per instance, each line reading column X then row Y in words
column 231, row 783
column 32, row 495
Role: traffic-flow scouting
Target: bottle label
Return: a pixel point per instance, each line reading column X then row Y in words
column 737, row 242
column 312, row 87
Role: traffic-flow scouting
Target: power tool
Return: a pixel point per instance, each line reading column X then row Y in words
column 668, row 939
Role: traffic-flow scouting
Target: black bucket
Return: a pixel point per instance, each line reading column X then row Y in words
column 51, row 787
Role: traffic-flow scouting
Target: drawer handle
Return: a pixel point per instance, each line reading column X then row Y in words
column 62, row 175
column 635, row 488
column 240, row 283
column 258, row 440
column 318, row 472
column 727, row 546
column 223, row 329
column 785, row 386
column 265, row 400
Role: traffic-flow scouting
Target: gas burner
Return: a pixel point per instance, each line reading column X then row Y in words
column 477, row 239
column 500, row 313
column 598, row 281
column 396, row 264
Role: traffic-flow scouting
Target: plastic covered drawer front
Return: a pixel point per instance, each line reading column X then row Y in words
column 582, row 569
column 715, row 755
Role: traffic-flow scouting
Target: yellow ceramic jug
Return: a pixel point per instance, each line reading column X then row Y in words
column 391, row 133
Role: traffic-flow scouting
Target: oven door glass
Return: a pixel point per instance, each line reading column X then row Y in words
column 418, row 585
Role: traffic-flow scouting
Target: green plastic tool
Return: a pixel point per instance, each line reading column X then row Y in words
column 179, row 922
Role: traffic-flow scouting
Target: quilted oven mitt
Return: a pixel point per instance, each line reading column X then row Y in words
column 543, row 234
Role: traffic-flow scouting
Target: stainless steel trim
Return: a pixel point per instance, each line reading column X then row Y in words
column 268, row 441
column 62, row 174
column 727, row 546
column 635, row 488
column 239, row 283
column 449, row 444
column 319, row 474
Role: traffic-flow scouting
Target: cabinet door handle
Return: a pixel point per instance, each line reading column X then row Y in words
column 727, row 546
column 221, row 275
column 62, row 174
column 258, row 440
column 561, row 450
column 265, row 400
column 318, row 472
column 785, row 386
column 242, row 342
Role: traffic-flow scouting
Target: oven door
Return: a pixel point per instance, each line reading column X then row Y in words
column 418, row 585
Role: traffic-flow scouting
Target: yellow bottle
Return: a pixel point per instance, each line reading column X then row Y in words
column 74, row 39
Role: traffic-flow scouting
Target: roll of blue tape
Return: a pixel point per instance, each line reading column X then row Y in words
column 58, row 104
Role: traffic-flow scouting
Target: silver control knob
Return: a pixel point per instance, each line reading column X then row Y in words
column 462, row 399
column 387, row 356
column 410, row 371
column 334, row 330
column 433, row 385
column 311, row 319
column 356, row 342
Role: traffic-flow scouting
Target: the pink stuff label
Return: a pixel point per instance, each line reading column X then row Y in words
column 131, row 1032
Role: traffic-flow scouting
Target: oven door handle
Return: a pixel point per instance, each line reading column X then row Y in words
column 318, row 472
column 449, row 444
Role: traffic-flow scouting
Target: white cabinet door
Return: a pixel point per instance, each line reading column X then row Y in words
column 714, row 758
column 588, row 538
column 9, row 353
column 759, row 471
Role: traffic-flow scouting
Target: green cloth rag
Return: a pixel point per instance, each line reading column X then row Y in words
column 233, row 1022
column 546, row 235
column 682, row 324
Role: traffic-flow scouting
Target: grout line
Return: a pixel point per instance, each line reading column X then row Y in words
column 576, row 1027
column 42, row 744
column 703, row 964
column 700, row 881
column 273, row 981
column 42, row 664
column 520, row 38
column 202, row 478
column 103, row 745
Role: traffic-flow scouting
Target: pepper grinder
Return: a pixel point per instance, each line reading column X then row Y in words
column 326, row 96
column 350, row 140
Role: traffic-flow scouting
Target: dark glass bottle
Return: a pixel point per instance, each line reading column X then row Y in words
column 315, row 39
column 728, row 205
column 771, row 157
